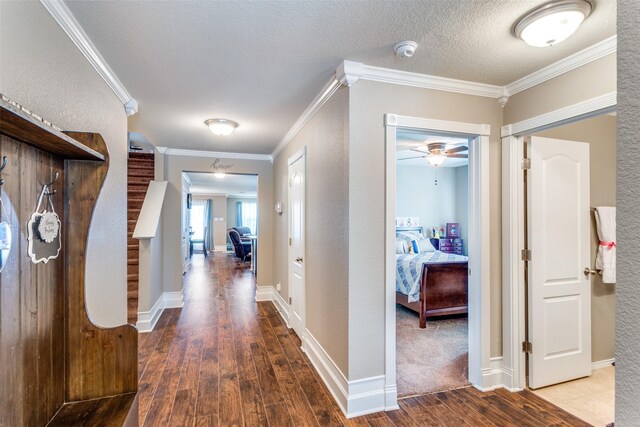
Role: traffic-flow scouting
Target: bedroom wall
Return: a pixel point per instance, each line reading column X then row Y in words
column 600, row 134
column 462, row 204
column 327, row 249
column 417, row 195
column 369, row 101
column 43, row 70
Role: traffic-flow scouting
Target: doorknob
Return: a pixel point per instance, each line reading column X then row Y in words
column 589, row 271
column 299, row 259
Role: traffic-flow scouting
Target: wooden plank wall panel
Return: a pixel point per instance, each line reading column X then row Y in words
column 31, row 297
column 99, row 362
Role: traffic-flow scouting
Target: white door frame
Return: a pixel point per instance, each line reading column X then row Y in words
column 300, row 153
column 513, row 230
column 479, row 246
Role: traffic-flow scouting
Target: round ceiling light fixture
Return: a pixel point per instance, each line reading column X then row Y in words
column 221, row 127
column 552, row 22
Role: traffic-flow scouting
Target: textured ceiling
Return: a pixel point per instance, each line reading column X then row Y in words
column 262, row 62
column 230, row 185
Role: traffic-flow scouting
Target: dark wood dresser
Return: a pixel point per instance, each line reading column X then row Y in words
column 448, row 245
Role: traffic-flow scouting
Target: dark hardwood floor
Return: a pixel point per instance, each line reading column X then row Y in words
column 225, row 360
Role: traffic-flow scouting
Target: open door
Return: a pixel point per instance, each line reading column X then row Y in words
column 297, row 178
column 559, row 294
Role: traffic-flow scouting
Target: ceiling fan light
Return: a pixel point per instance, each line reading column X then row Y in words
column 436, row 160
column 221, row 127
column 552, row 23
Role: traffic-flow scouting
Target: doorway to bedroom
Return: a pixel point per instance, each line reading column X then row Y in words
column 432, row 226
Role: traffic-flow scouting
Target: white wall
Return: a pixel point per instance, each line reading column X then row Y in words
column 418, row 195
column 43, row 70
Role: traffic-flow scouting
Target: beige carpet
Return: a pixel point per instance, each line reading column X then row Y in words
column 430, row 359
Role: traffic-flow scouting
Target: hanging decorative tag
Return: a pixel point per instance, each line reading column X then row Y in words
column 5, row 235
column 44, row 231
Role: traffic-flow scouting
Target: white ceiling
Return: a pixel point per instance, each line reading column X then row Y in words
column 261, row 63
column 231, row 185
column 407, row 139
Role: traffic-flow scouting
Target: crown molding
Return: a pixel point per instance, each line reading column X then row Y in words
column 327, row 92
column 571, row 62
column 592, row 107
column 387, row 75
column 216, row 154
column 63, row 16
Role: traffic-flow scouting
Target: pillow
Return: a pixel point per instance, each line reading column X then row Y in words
column 425, row 246
column 401, row 246
column 415, row 247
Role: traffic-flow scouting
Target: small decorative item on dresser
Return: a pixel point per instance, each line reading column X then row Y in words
column 453, row 229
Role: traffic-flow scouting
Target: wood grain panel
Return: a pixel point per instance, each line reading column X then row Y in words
column 99, row 362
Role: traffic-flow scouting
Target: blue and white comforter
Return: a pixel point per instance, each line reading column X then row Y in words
column 409, row 270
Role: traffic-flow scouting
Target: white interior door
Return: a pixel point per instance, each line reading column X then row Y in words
column 559, row 294
column 297, row 175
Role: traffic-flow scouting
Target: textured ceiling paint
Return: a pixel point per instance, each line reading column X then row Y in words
column 261, row 63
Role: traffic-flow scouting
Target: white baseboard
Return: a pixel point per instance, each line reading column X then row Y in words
column 283, row 307
column 496, row 376
column 602, row 363
column 265, row 293
column 173, row 299
column 147, row 319
column 357, row 397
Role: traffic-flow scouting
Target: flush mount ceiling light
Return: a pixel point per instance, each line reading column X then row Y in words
column 221, row 127
column 219, row 174
column 552, row 22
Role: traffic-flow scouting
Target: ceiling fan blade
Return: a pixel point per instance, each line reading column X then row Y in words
column 423, row 149
column 416, row 157
column 456, row 149
column 458, row 156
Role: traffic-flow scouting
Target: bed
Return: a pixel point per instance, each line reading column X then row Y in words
column 431, row 283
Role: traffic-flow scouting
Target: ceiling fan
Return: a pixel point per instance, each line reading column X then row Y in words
column 437, row 152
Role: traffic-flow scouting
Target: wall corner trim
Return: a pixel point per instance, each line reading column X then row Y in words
column 63, row 16
column 571, row 62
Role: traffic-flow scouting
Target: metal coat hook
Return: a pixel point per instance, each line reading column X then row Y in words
column 4, row 164
column 45, row 187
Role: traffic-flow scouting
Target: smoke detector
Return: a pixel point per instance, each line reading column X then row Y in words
column 405, row 49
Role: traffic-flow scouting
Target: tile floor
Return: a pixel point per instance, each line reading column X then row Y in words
column 591, row 399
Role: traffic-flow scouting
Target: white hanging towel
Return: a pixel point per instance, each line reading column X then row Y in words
column 606, row 259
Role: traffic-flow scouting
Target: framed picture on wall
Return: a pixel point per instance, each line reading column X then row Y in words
column 188, row 200
column 453, row 229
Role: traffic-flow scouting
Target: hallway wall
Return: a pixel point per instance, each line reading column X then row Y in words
column 43, row 70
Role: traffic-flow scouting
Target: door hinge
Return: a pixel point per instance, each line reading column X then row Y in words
column 469, row 272
column 289, row 300
column 525, row 254
column 527, row 347
column 289, row 241
column 526, row 164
